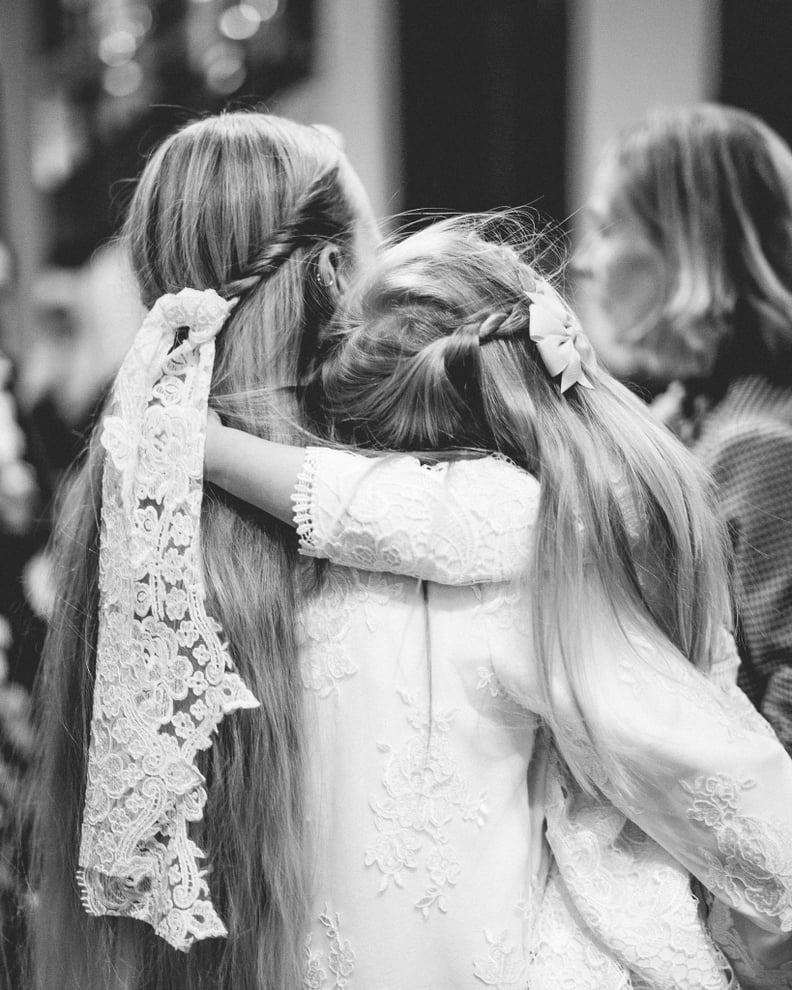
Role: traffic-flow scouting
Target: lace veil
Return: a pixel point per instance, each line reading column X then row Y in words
column 164, row 677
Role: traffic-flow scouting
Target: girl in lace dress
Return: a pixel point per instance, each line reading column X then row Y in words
column 598, row 611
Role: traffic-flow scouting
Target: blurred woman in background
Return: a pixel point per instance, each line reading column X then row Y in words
column 689, row 260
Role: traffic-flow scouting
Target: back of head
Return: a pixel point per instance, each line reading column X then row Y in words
column 246, row 203
column 406, row 364
column 440, row 347
column 249, row 205
column 712, row 186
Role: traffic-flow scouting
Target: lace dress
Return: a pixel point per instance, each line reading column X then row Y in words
column 423, row 820
column 433, row 780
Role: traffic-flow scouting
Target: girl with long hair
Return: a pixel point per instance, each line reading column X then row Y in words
column 244, row 207
column 688, row 262
column 605, row 624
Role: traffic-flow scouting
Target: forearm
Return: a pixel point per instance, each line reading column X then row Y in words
column 258, row 471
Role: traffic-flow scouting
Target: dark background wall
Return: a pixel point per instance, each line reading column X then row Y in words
column 756, row 59
column 483, row 104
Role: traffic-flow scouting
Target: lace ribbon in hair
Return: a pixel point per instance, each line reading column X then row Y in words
column 164, row 677
column 563, row 347
column 561, row 343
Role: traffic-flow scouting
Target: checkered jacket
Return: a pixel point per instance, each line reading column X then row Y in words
column 746, row 442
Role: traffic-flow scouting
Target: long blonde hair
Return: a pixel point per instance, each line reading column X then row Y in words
column 243, row 203
column 712, row 187
column 625, row 533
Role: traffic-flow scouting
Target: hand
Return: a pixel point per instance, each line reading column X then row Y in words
column 214, row 441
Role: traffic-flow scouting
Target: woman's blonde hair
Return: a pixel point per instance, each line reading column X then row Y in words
column 712, row 186
column 625, row 534
column 243, row 203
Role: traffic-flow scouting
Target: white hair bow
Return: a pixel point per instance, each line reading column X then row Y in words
column 562, row 345
column 164, row 677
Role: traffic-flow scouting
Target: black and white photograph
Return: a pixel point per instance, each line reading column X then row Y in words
column 395, row 495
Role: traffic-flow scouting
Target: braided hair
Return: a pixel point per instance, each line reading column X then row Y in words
column 314, row 222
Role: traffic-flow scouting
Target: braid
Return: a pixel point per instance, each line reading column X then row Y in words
column 504, row 323
column 311, row 225
column 460, row 347
column 460, row 350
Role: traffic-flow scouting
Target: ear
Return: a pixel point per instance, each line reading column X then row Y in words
column 328, row 270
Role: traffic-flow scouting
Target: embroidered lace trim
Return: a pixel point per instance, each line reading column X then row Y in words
column 503, row 967
column 629, row 894
column 754, row 859
column 163, row 674
column 302, row 500
column 425, row 793
column 340, row 958
column 325, row 622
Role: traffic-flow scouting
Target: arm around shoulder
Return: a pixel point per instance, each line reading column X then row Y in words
column 454, row 522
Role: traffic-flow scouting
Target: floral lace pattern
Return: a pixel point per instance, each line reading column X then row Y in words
column 754, row 861
column 325, row 658
column 506, row 605
column 629, row 893
column 164, row 678
column 424, row 793
column 448, row 522
column 564, row 956
column 503, row 967
column 618, row 911
column 488, row 681
column 340, row 959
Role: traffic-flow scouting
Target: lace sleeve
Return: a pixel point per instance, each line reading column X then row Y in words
column 708, row 779
column 688, row 760
column 459, row 522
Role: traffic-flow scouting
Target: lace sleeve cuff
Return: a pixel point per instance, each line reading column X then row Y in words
column 302, row 501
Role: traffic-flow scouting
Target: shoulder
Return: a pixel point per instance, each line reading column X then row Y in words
column 457, row 521
column 749, row 446
column 499, row 473
column 491, row 473
column 751, row 466
column 756, row 443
